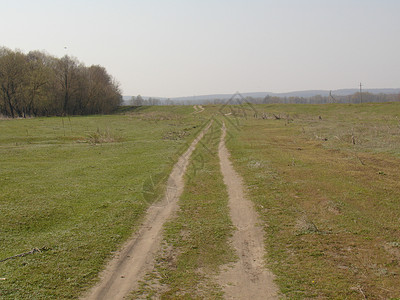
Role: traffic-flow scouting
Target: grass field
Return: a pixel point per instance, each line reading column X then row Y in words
column 76, row 188
column 325, row 180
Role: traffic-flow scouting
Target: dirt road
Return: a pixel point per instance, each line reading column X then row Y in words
column 198, row 109
column 248, row 278
column 136, row 257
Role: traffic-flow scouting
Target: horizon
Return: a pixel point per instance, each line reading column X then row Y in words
column 267, row 92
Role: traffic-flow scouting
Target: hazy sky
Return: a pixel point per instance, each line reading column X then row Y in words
column 194, row 47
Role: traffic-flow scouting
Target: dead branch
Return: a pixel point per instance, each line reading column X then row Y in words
column 360, row 159
column 353, row 139
column 362, row 292
column 277, row 117
column 26, row 253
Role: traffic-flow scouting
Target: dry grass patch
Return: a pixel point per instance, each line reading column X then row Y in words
column 331, row 221
column 103, row 136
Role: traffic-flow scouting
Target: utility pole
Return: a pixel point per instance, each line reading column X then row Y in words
column 333, row 98
column 360, row 92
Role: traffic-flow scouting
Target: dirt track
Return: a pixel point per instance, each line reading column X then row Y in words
column 248, row 278
column 198, row 109
column 136, row 257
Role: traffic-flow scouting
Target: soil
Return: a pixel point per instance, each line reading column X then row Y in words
column 129, row 265
column 248, row 278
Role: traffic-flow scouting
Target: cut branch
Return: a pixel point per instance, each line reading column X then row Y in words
column 26, row 253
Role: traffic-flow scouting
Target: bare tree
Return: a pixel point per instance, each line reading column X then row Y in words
column 39, row 84
column 13, row 81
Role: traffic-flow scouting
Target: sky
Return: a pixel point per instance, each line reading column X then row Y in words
column 196, row 47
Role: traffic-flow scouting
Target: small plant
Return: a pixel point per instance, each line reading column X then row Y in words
column 306, row 226
column 175, row 135
column 100, row 137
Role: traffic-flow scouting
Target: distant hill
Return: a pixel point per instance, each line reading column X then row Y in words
column 304, row 94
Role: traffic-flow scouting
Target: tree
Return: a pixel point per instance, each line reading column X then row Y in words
column 39, row 76
column 66, row 71
column 137, row 101
column 104, row 94
column 13, row 80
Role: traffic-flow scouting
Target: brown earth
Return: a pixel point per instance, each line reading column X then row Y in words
column 248, row 278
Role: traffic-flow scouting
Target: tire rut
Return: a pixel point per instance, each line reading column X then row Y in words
column 248, row 278
column 136, row 257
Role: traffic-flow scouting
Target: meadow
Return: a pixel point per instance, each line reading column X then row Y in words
column 76, row 188
column 323, row 178
column 325, row 181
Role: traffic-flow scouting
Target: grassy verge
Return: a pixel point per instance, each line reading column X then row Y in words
column 325, row 181
column 196, row 240
column 76, row 188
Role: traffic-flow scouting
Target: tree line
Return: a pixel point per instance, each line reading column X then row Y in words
column 38, row 84
column 355, row 98
column 364, row 97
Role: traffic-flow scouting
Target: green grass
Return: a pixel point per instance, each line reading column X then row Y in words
column 330, row 206
column 76, row 196
column 324, row 179
column 196, row 241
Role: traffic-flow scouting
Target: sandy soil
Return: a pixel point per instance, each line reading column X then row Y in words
column 248, row 278
column 128, row 266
